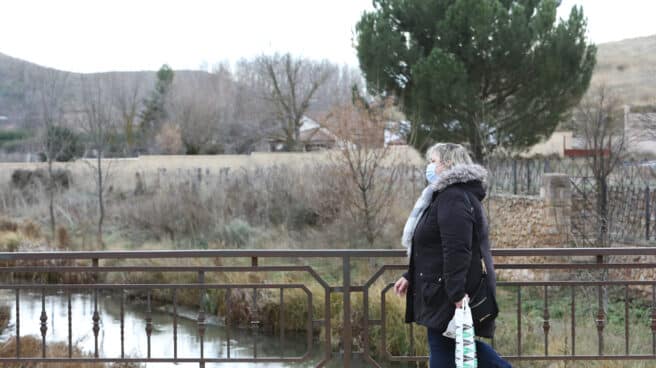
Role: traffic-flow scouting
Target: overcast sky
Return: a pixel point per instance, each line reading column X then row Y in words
column 103, row 35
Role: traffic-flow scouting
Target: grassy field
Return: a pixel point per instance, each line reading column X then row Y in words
column 123, row 170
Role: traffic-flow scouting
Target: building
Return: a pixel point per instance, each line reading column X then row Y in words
column 557, row 145
column 313, row 137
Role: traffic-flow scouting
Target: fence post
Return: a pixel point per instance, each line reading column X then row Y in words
column 547, row 166
column 528, row 177
column 347, row 339
column 647, row 212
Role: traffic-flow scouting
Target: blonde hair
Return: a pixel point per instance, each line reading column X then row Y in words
column 449, row 154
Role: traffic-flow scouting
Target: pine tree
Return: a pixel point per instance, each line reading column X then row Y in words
column 154, row 112
column 490, row 73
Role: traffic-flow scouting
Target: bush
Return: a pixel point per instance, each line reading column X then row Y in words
column 32, row 181
column 169, row 140
column 10, row 137
column 9, row 242
column 238, row 233
column 8, row 225
column 30, row 229
column 65, row 144
column 174, row 213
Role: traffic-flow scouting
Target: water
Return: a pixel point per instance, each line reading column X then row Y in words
column 215, row 344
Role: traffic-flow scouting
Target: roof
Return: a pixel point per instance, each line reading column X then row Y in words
column 316, row 135
column 308, row 124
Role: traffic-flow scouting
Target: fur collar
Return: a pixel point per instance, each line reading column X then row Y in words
column 460, row 174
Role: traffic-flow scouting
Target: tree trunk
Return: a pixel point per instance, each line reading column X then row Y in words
column 602, row 212
column 51, row 198
column 101, row 206
column 476, row 146
column 368, row 221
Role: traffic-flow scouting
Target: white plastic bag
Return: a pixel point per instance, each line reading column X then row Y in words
column 465, row 343
column 450, row 331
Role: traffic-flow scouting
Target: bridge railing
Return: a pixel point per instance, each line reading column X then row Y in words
column 525, row 275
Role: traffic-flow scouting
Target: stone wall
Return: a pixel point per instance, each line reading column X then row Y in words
column 532, row 221
column 545, row 221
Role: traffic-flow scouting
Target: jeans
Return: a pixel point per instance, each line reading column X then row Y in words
column 442, row 352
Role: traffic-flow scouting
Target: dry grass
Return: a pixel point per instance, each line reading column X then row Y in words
column 30, row 347
column 286, row 200
column 123, row 170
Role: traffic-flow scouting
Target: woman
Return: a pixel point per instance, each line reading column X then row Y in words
column 447, row 240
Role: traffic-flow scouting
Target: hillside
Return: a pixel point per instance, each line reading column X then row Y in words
column 628, row 68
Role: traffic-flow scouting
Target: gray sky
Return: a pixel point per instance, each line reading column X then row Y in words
column 103, row 35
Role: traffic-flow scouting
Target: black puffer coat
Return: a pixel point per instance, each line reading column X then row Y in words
column 446, row 250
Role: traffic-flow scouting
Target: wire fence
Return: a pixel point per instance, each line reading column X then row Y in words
column 631, row 194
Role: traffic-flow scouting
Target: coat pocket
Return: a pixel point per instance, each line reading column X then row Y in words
column 432, row 290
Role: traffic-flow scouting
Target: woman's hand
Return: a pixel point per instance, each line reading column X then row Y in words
column 401, row 286
column 459, row 304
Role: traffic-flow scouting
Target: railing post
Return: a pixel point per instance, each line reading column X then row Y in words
column 201, row 319
column 347, row 339
column 96, row 315
column 601, row 313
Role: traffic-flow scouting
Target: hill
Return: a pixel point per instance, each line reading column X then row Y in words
column 628, row 68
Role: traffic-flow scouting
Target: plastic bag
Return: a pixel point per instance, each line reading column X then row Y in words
column 450, row 331
column 465, row 343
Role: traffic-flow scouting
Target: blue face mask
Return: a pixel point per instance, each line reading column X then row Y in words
column 431, row 175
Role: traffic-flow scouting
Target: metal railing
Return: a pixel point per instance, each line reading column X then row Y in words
column 605, row 268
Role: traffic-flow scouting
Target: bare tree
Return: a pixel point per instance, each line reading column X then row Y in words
column 290, row 84
column 200, row 105
column 599, row 119
column 127, row 97
column 249, row 123
column 97, row 118
column 337, row 90
column 364, row 164
column 49, row 98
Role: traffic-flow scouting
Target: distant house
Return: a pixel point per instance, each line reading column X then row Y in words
column 396, row 133
column 559, row 143
column 316, row 137
column 313, row 137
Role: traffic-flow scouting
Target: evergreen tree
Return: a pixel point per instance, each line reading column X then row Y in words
column 493, row 73
column 154, row 112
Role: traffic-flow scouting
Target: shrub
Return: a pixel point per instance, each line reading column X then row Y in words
column 174, row 213
column 9, row 137
column 65, row 144
column 29, row 180
column 169, row 140
column 8, row 225
column 9, row 242
column 238, row 233
column 30, row 229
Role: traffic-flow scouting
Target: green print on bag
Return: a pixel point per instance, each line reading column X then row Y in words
column 465, row 354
